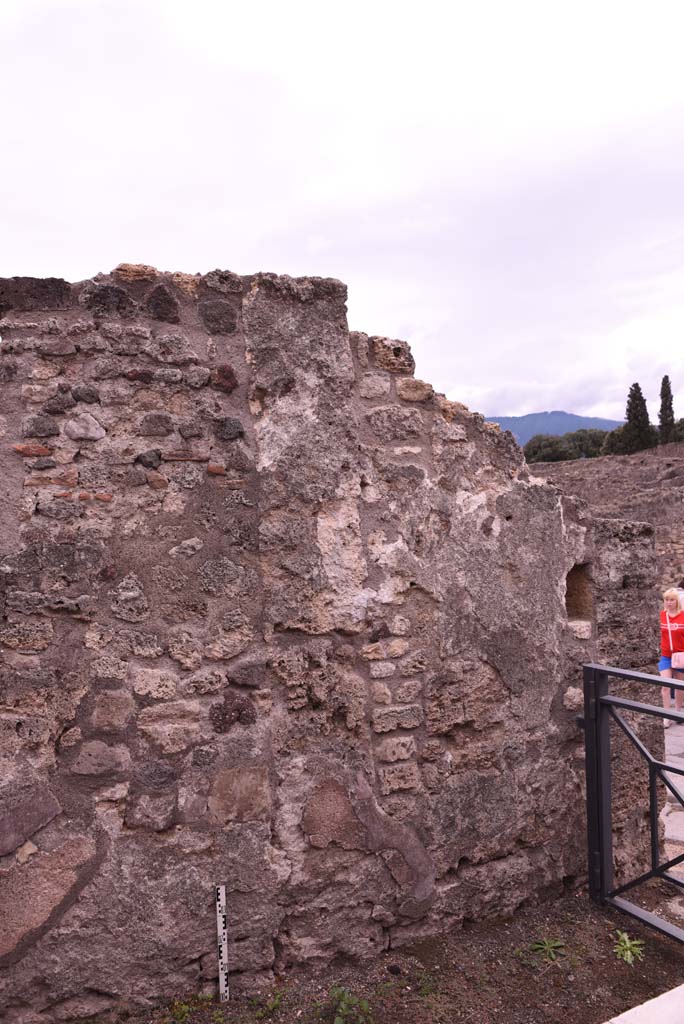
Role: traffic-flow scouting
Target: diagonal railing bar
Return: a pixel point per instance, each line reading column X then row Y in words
column 645, row 753
column 660, row 766
column 674, row 879
column 647, row 876
column 646, row 917
column 670, row 785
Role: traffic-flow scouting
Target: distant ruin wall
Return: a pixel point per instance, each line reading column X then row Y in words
column 275, row 615
column 647, row 486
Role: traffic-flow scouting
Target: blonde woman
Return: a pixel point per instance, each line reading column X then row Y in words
column 671, row 642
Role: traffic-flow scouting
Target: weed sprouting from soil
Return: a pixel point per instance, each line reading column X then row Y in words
column 348, row 1008
column 549, row 950
column 627, row 949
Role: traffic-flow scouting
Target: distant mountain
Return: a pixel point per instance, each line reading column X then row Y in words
column 554, row 423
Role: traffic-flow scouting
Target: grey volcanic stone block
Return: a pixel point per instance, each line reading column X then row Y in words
column 85, row 393
column 39, row 426
column 98, row 758
column 218, row 317
column 156, row 424
column 62, row 401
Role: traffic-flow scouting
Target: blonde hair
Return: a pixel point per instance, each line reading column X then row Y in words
column 673, row 592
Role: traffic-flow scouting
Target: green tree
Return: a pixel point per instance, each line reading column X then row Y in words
column 666, row 418
column 586, row 443
column 637, row 431
column 614, row 442
column 548, row 448
column 578, row 444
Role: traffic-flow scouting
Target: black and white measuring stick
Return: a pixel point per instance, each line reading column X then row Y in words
column 222, row 930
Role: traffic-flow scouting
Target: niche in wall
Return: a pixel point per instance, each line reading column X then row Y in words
column 579, row 598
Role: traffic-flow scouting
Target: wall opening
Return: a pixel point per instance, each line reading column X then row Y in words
column 579, row 598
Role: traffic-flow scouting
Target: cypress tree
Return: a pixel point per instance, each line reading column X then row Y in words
column 666, row 416
column 638, row 432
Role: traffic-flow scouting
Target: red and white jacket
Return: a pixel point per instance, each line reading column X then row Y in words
column 676, row 631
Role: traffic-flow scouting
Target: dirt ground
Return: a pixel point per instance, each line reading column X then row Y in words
column 488, row 973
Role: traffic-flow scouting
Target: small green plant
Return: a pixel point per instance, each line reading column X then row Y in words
column 628, row 949
column 180, row 1012
column 549, row 950
column 270, row 1006
column 217, row 1017
column 426, row 984
column 523, row 955
column 348, row 1008
column 384, row 989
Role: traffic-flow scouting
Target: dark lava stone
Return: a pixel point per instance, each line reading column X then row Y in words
column 27, row 293
column 150, row 459
column 204, row 756
column 40, row 426
column 85, row 393
column 190, row 429
column 161, row 305
column 234, row 708
column 218, row 317
column 103, row 299
column 155, row 775
column 8, row 372
column 61, row 402
column 227, row 428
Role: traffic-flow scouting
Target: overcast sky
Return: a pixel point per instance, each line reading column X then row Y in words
column 501, row 183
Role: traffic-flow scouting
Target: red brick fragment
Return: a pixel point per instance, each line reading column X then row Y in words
column 31, row 451
column 85, row 496
column 223, row 377
column 156, row 480
column 185, row 455
column 215, row 469
column 64, row 477
column 64, row 494
column 103, row 496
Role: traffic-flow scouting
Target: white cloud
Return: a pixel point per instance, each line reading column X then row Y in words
column 498, row 182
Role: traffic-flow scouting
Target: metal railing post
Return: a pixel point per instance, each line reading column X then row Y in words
column 597, row 762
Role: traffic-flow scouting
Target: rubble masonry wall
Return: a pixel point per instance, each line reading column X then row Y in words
column 275, row 615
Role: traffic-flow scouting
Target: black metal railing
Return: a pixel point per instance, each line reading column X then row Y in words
column 600, row 708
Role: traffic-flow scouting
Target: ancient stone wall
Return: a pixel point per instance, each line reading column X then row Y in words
column 640, row 498
column 274, row 615
column 647, row 486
